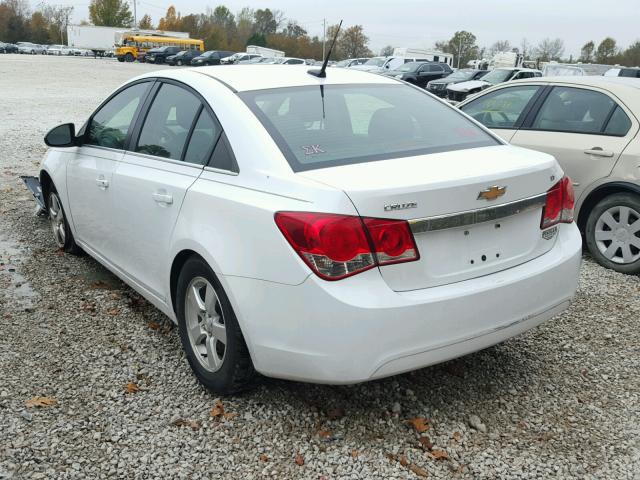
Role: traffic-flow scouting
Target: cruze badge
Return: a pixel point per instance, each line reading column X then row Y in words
column 400, row 206
column 492, row 193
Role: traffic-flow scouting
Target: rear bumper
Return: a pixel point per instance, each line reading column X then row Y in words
column 358, row 329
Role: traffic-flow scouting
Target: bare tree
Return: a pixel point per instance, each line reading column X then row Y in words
column 549, row 49
column 386, row 51
column 525, row 48
column 500, row 46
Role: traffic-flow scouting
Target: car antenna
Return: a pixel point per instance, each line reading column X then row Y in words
column 322, row 72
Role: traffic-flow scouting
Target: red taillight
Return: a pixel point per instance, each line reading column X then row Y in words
column 560, row 203
column 338, row 246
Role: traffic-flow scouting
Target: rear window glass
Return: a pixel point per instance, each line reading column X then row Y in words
column 318, row 127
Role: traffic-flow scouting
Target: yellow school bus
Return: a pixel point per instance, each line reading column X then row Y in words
column 133, row 45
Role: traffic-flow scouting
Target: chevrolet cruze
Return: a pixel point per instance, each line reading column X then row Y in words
column 330, row 230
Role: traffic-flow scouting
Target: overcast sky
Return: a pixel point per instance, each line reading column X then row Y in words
column 420, row 23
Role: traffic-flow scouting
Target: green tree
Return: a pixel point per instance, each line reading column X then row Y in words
column 631, row 56
column 145, row 22
column 586, row 52
column 607, row 50
column 354, row 43
column 110, row 13
column 257, row 39
column 264, row 22
column 463, row 47
column 14, row 25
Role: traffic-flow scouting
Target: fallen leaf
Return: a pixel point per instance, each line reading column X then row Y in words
column 218, row 411
column 439, row 454
column 100, row 285
column 40, row 402
column 403, row 461
column 335, row 413
column 60, row 252
column 457, row 436
column 299, row 460
column 425, row 443
column 263, row 458
column 421, row 472
column 355, row 453
column 391, row 457
column 153, row 325
column 419, row 424
column 132, row 388
column 322, row 433
column 115, row 296
column 182, row 422
column 113, row 312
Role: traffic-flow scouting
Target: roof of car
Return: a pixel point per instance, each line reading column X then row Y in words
column 258, row 77
column 595, row 81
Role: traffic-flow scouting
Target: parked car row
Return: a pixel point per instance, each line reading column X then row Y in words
column 28, row 48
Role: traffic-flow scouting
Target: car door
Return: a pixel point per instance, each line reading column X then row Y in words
column 503, row 110
column 90, row 168
column 585, row 129
column 428, row 71
column 167, row 154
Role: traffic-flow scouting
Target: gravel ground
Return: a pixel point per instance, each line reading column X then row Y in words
column 562, row 401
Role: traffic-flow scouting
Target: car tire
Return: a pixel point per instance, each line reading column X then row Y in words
column 59, row 224
column 179, row 63
column 33, row 52
column 610, row 234
column 209, row 331
column 129, row 57
column 120, row 59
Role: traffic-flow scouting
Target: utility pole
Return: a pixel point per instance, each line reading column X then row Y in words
column 135, row 17
column 324, row 35
column 459, row 50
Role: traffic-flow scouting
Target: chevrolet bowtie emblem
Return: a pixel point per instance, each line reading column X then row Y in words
column 492, row 193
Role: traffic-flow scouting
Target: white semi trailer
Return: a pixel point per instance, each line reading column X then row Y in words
column 264, row 51
column 104, row 39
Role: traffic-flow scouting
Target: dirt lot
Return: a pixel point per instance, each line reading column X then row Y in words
column 562, row 401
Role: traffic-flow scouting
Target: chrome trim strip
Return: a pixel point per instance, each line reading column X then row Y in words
column 480, row 215
column 220, row 170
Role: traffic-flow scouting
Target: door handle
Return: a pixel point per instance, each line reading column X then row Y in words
column 163, row 198
column 599, row 152
column 102, row 182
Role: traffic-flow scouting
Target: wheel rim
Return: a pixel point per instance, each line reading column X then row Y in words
column 205, row 324
column 56, row 217
column 617, row 234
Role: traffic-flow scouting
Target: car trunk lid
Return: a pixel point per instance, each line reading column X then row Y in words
column 460, row 234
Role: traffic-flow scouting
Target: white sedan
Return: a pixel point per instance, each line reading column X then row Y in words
column 330, row 230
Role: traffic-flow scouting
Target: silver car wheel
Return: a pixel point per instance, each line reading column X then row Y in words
column 205, row 324
column 56, row 217
column 617, row 234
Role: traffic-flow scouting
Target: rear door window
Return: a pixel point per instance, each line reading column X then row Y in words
column 574, row 110
column 502, row 108
column 168, row 122
column 318, row 127
column 203, row 138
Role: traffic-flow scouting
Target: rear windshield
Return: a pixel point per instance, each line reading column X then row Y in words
column 318, row 127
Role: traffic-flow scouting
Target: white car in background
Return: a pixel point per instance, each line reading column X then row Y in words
column 591, row 125
column 31, row 48
column 460, row 91
column 331, row 230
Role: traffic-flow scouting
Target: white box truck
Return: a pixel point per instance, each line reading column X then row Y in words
column 264, row 51
column 430, row 55
column 104, row 39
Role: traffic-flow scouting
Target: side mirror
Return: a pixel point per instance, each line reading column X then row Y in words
column 61, row 136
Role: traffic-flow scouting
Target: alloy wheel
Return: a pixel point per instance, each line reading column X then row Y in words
column 205, row 324
column 617, row 234
column 56, row 217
